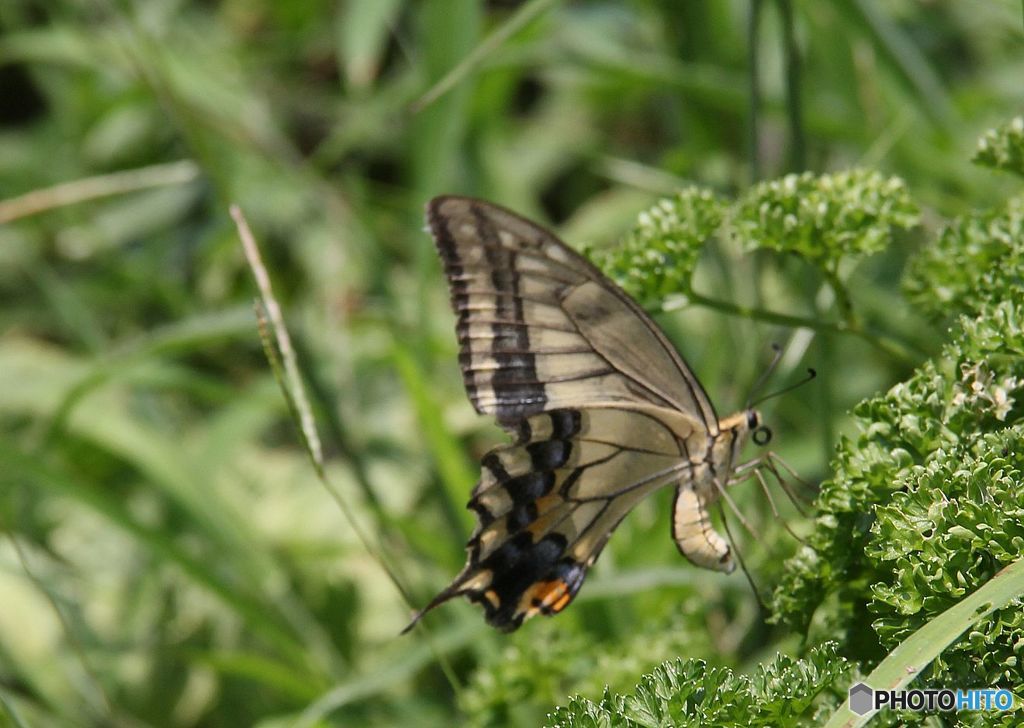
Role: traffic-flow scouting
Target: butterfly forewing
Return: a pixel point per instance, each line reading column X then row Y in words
column 604, row 410
column 540, row 328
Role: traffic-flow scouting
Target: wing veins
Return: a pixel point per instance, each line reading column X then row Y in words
column 458, row 272
column 596, row 518
column 593, row 374
column 483, row 212
column 551, row 350
column 664, row 473
column 619, row 445
column 651, row 391
column 495, row 292
column 576, row 273
column 658, row 396
column 599, row 461
column 521, row 324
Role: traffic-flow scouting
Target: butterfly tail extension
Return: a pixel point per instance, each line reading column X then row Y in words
column 512, row 597
column 456, row 589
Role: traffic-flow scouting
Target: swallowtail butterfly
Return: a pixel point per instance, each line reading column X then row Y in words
column 603, row 410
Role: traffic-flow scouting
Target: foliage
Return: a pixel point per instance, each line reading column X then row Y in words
column 925, row 504
column 659, row 255
column 552, row 663
column 977, row 261
column 783, row 692
column 939, row 537
column 1003, row 148
column 826, row 218
column 168, row 556
column 928, row 478
column 822, row 218
column 936, row 417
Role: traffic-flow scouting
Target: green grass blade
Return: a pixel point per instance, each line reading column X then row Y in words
column 271, row 674
column 22, row 468
column 91, row 188
column 915, row 653
column 526, row 12
column 11, row 713
column 194, row 333
column 363, row 27
column 456, row 475
column 905, row 58
column 403, row 664
column 283, row 362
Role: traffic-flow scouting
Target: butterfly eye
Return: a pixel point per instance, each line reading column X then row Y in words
column 762, row 436
column 752, row 420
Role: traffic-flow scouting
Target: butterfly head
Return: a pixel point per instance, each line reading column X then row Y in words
column 759, row 433
column 736, row 430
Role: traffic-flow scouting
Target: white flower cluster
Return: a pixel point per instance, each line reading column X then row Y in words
column 979, row 388
column 826, row 216
column 1003, row 148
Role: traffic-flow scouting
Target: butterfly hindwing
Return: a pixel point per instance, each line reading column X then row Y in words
column 548, row 503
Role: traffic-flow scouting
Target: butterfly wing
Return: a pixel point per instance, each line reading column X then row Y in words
column 604, row 408
column 548, row 503
column 540, row 328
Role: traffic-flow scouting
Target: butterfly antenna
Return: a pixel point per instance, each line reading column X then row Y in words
column 776, row 357
column 811, row 374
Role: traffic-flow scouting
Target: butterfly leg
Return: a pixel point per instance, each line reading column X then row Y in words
column 740, row 472
column 775, row 461
column 732, row 504
column 759, row 476
column 761, row 602
column 755, row 469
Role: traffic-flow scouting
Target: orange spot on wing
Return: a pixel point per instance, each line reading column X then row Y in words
column 492, row 596
column 562, row 603
column 550, row 591
column 550, row 597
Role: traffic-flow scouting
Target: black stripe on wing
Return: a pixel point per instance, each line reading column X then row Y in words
column 510, row 335
column 506, row 275
column 504, row 332
column 534, row 541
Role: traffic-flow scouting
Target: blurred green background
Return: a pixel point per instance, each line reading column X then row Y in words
column 169, row 556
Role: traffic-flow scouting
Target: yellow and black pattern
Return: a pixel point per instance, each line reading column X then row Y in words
column 540, row 328
column 603, row 409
